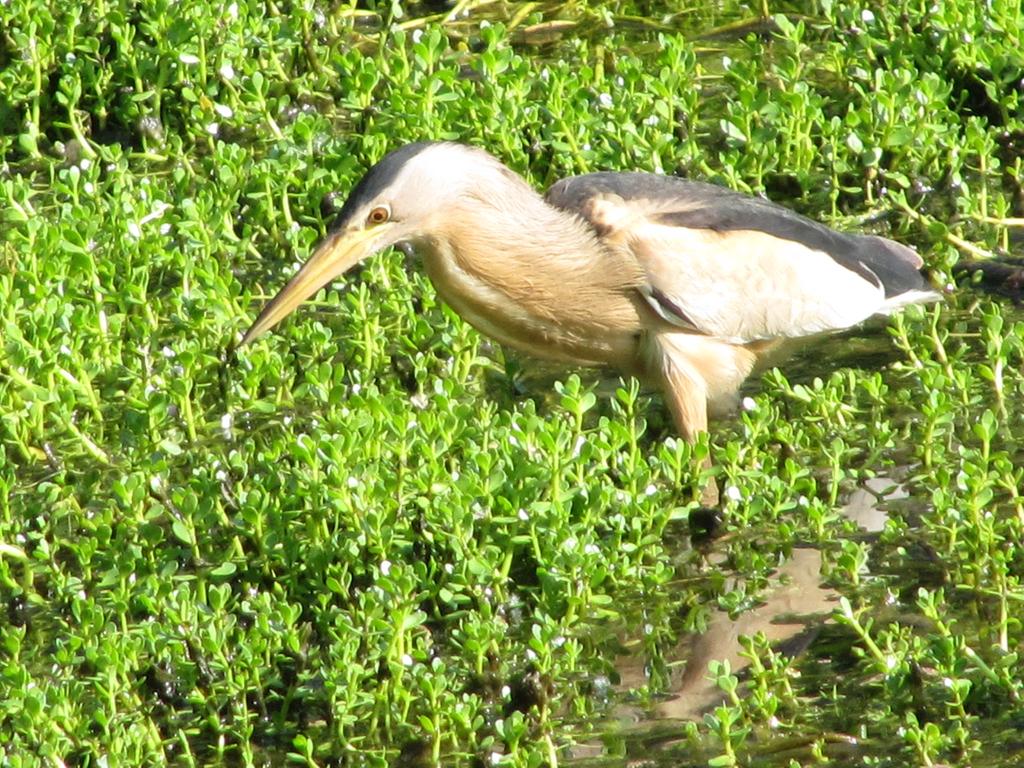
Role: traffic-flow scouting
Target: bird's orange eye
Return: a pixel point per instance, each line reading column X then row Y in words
column 378, row 215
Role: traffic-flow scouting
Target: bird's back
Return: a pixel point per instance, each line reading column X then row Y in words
column 742, row 267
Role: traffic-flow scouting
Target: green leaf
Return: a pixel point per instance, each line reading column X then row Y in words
column 182, row 532
column 223, row 570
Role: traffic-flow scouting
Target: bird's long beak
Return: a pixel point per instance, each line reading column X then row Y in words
column 339, row 252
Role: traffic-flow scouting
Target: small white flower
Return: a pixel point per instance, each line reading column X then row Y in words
column 523, row 515
column 353, row 482
column 406, row 660
column 227, row 71
column 726, row 62
column 580, row 442
column 651, row 489
column 733, row 493
column 385, row 567
column 188, row 58
column 224, row 110
column 213, row 128
column 605, row 99
column 89, row 188
column 167, row 352
column 133, row 230
column 749, row 404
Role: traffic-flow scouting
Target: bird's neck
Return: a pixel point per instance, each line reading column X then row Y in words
column 536, row 278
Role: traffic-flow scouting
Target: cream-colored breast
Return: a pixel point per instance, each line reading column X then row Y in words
column 529, row 313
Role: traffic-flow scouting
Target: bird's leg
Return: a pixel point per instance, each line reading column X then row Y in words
column 685, row 392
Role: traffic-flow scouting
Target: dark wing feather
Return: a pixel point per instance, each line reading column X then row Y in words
column 676, row 202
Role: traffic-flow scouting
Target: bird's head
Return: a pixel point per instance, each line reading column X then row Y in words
column 402, row 199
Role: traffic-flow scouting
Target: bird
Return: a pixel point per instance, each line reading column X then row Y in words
column 683, row 284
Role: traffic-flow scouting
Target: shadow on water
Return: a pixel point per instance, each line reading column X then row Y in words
column 793, row 614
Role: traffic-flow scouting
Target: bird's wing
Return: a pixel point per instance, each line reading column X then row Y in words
column 737, row 267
